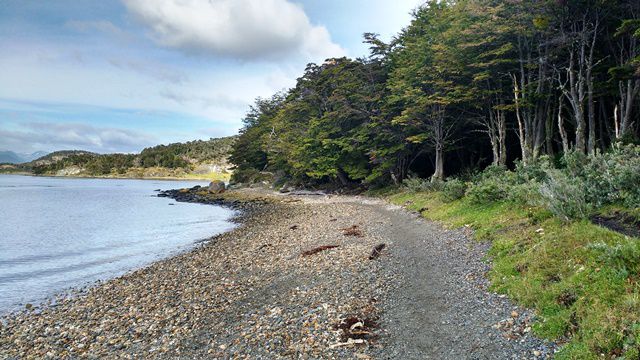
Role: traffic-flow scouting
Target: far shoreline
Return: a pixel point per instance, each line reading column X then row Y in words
column 111, row 177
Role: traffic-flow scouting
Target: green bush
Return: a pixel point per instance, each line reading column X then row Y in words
column 566, row 196
column 535, row 170
column 527, row 193
column 625, row 163
column 491, row 172
column 416, row 184
column 608, row 178
column 453, row 189
column 487, row 191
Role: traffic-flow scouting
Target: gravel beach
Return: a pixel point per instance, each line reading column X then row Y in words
column 312, row 277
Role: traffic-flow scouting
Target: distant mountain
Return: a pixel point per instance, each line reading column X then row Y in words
column 10, row 157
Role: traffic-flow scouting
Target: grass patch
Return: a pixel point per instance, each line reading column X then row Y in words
column 582, row 279
column 212, row 176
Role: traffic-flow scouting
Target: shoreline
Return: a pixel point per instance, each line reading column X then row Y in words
column 147, row 299
column 297, row 278
column 112, row 177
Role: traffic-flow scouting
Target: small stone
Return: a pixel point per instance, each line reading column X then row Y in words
column 536, row 353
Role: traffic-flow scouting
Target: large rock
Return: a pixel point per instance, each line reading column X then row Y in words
column 216, row 187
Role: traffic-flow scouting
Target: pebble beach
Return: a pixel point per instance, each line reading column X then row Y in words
column 313, row 277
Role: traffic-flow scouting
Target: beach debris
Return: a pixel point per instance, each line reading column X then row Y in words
column 293, row 227
column 356, row 328
column 352, row 230
column 347, row 343
column 318, row 249
column 262, row 246
column 376, row 251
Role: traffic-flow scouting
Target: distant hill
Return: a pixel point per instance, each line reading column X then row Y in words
column 10, row 157
column 200, row 157
column 58, row 156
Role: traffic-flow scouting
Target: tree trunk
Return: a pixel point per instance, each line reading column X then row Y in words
column 522, row 133
column 502, row 137
column 438, row 174
column 439, row 136
column 591, row 145
column 563, row 132
column 548, row 131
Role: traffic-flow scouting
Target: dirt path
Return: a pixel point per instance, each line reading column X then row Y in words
column 440, row 308
column 295, row 281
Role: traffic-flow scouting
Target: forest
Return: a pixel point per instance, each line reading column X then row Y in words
column 465, row 85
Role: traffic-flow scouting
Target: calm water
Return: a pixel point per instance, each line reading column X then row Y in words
column 61, row 233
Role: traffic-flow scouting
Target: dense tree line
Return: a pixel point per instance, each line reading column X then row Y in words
column 466, row 84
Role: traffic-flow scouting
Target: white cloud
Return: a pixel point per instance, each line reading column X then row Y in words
column 72, row 136
column 246, row 29
column 216, row 100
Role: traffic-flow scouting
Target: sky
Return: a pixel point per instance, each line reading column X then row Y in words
column 122, row 75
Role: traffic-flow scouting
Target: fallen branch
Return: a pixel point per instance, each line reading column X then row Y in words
column 348, row 343
column 318, row 249
column 353, row 230
column 376, row 251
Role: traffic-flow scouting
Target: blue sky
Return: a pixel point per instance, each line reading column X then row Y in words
column 120, row 75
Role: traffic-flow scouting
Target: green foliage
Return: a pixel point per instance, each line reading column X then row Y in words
column 487, row 191
column 610, row 177
column 566, row 197
column 453, row 189
column 416, row 184
column 180, row 155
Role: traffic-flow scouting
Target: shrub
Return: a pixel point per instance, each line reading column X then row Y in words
column 416, row 184
column 487, row 191
column 527, row 193
column 535, row 170
column 453, row 189
column 625, row 164
column 610, row 177
column 565, row 196
column 491, row 172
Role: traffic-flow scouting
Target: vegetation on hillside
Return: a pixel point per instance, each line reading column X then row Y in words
column 516, row 118
column 178, row 159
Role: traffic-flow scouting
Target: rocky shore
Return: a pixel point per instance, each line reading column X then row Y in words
column 313, row 277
